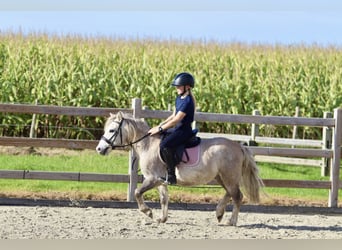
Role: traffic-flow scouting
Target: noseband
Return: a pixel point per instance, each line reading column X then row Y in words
column 111, row 140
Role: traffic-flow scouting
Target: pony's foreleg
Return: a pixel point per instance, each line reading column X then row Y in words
column 164, row 203
column 146, row 185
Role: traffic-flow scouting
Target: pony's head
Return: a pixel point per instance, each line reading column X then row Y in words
column 121, row 130
column 113, row 135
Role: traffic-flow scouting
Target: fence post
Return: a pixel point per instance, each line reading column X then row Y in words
column 133, row 162
column 294, row 133
column 326, row 140
column 255, row 130
column 194, row 124
column 33, row 128
column 336, row 161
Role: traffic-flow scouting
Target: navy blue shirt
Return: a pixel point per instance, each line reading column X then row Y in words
column 183, row 130
column 187, row 106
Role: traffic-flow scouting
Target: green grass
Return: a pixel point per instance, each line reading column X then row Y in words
column 117, row 163
column 281, row 171
column 79, row 161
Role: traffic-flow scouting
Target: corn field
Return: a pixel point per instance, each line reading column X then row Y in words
column 101, row 72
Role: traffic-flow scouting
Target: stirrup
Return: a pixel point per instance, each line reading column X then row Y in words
column 166, row 180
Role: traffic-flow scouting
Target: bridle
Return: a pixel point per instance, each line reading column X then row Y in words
column 117, row 132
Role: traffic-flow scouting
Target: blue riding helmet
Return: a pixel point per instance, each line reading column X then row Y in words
column 183, row 79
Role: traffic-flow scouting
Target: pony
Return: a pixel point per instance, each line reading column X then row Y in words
column 228, row 162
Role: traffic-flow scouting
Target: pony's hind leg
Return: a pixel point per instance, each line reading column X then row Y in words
column 231, row 192
column 237, row 200
column 221, row 206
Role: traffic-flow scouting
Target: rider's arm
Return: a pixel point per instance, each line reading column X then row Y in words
column 174, row 120
column 169, row 118
column 169, row 123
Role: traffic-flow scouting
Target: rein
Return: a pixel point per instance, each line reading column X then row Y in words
column 131, row 143
column 116, row 133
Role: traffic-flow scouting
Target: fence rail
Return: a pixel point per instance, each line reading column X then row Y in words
column 48, row 143
column 280, row 154
column 64, row 176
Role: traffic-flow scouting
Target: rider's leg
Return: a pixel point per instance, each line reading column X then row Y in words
column 168, row 155
column 168, row 146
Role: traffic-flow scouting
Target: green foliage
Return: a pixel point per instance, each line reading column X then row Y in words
column 99, row 72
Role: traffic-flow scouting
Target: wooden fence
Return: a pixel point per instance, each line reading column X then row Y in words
column 280, row 154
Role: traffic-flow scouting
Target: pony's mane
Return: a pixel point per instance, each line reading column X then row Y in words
column 138, row 124
column 134, row 128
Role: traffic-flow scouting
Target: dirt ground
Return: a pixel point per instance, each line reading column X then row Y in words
column 18, row 222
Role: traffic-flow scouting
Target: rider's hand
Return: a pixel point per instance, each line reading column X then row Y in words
column 154, row 130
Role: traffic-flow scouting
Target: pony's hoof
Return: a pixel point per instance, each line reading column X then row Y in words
column 232, row 223
column 149, row 222
column 161, row 220
column 147, row 212
column 219, row 218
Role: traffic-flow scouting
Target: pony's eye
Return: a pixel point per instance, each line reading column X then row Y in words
column 111, row 131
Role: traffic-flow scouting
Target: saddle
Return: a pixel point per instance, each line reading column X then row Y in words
column 180, row 150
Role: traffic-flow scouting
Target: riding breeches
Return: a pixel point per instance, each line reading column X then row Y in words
column 174, row 138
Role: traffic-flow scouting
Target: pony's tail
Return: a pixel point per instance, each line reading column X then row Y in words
column 251, row 181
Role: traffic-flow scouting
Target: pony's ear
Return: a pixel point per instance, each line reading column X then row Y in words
column 119, row 115
column 111, row 115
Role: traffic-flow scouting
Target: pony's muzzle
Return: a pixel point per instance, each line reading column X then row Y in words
column 101, row 150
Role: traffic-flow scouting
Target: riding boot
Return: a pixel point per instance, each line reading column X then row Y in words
column 169, row 158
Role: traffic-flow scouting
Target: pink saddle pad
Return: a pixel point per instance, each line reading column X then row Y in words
column 194, row 155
